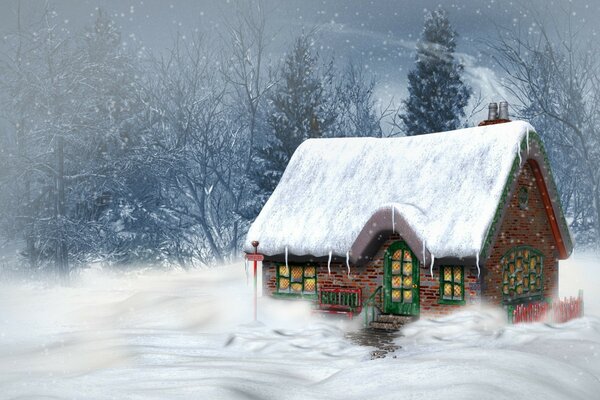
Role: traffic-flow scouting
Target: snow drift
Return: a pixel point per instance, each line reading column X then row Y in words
column 184, row 335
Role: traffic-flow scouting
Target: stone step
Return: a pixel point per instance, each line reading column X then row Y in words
column 385, row 326
column 395, row 319
column 391, row 322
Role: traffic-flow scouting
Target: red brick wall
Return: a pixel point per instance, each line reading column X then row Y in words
column 370, row 276
column 367, row 277
column 523, row 227
column 430, row 291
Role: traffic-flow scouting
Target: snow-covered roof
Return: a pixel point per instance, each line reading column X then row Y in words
column 442, row 189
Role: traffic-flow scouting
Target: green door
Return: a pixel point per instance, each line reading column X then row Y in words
column 401, row 280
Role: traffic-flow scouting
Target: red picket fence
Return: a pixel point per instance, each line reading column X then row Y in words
column 566, row 310
column 531, row 312
column 558, row 311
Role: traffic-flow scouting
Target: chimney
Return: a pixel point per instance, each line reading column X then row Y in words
column 495, row 117
column 492, row 111
column 503, row 111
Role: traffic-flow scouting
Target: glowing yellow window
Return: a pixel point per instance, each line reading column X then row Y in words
column 452, row 283
column 522, row 278
column 297, row 279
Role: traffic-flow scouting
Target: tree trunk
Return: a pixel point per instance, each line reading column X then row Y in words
column 61, row 243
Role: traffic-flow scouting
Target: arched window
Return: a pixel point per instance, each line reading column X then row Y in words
column 522, row 274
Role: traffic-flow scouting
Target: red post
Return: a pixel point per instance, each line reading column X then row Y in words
column 255, row 245
column 255, row 289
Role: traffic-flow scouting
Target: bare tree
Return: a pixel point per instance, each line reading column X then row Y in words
column 552, row 69
column 245, row 68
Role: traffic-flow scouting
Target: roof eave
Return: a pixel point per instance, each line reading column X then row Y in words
column 538, row 160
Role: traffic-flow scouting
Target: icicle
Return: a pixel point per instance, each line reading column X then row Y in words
column 423, row 253
column 348, row 262
column 477, row 262
column 246, row 269
column 393, row 221
column 431, row 266
column 519, row 152
column 527, row 141
column 286, row 259
column 329, row 263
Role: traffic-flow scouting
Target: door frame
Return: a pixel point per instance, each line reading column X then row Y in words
column 400, row 308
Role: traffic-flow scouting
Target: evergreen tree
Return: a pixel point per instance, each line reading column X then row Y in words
column 437, row 93
column 302, row 106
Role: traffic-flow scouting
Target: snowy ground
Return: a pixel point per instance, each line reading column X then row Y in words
column 186, row 335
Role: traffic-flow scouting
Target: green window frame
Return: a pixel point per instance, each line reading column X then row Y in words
column 296, row 280
column 452, row 284
column 522, row 274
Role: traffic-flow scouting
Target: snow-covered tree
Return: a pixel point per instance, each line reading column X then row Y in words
column 437, row 93
column 302, row 106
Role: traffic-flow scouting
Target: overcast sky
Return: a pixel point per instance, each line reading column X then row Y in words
column 380, row 34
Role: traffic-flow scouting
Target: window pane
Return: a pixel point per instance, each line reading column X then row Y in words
column 396, row 295
column 309, row 271
column 448, row 290
column 310, row 285
column 283, row 270
column 408, row 282
column 396, row 281
column 407, row 268
column 284, row 283
column 407, row 256
column 397, row 255
column 297, row 274
column 457, row 274
column 396, row 267
column 407, row 296
column 458, row 292
column 448, row 273
column 296, row 287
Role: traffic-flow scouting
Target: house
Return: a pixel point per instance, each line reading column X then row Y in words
column 420, row 225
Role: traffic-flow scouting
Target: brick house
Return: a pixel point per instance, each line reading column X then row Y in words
column 419, row 225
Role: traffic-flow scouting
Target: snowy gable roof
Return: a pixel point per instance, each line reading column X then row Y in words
column 442, row 189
